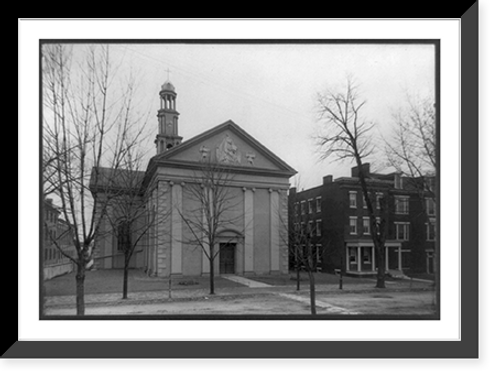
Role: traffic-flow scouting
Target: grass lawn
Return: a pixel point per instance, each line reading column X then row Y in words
column 111, row 281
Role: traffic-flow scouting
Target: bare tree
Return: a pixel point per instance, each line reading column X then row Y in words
column 347, row 136
column 411, row 150
column 128, row 214
column 87, row 119
column 213, row 209
column 412, row 147
column 299, row 236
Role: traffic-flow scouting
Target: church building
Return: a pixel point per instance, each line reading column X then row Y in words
column 221, row 188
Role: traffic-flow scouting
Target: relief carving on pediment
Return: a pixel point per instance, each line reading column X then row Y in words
column 227, row 152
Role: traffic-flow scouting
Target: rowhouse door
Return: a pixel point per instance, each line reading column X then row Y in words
column 227, row 258
column 430, row 262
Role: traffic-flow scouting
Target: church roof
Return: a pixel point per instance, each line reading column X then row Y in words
column 109, row 179
column 167, row 86
column 172, row 155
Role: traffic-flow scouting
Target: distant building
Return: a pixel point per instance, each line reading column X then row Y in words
column 57, row 238
column 342, row 238
column 251, row 244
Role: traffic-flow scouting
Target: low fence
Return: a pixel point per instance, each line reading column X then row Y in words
column 57, row 269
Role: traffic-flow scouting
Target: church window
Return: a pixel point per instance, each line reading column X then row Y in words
column 123, row 236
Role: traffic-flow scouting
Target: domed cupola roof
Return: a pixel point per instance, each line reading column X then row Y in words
column 167, row 86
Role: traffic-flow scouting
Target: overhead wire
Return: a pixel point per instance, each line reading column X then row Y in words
column 204, row 79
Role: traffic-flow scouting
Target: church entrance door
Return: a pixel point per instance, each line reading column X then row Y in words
column 227, row 251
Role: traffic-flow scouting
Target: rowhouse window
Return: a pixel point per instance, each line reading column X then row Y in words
column 319, row 257
column 318, row 227
column 353, row 228
column 402, row 231
column 303, row 207
column 430, row 206
column 352, row 199
column 379, row 197
column 366, row 226
column 367, row 255
column 353, row 255
column 310, row 206
column 318, row 204
column 402, row 204
column 431, row 231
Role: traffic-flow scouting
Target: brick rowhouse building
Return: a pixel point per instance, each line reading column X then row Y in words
column 57, row 236
column 337, row 213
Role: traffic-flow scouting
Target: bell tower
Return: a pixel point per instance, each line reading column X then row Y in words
column 168, row 135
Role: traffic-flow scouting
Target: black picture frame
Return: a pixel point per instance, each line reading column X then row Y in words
column 466, row 347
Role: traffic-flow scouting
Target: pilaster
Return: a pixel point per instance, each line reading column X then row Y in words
column 249, row 230
column 176, row 241
column 274, row 230
column 163, row 234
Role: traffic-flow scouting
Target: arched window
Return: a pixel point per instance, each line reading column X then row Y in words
column 123, row 236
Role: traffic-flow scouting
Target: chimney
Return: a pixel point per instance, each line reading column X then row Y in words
column 327, row 179
column 364, row 167
column 292, row 191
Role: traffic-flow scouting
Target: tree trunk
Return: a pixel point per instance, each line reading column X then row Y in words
column 212, row 281
column 341, row 272
column 128, row 256
column 125, row 281
column 80, row 293
column 377, row 234
column 381, row 267
column 312, row 292
column 298, row 276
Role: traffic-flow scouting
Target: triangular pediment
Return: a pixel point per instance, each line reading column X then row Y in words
column 227, row 144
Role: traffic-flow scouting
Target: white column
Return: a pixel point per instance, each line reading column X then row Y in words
column 176, row 242
column 275, row 226
column 346, row 261
column 373, row 259
column 400, row 261
column 249, row 231
column 359, row 258
column 386, row 259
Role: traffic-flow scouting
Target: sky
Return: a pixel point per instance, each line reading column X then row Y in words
column 270, row 90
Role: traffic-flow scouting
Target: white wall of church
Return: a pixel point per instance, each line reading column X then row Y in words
column 254, row 221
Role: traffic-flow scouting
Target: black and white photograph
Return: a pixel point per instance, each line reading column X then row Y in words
column 240, row 179
column 290, row 184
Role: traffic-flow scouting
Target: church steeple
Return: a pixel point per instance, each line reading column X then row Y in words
column 168, row 135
